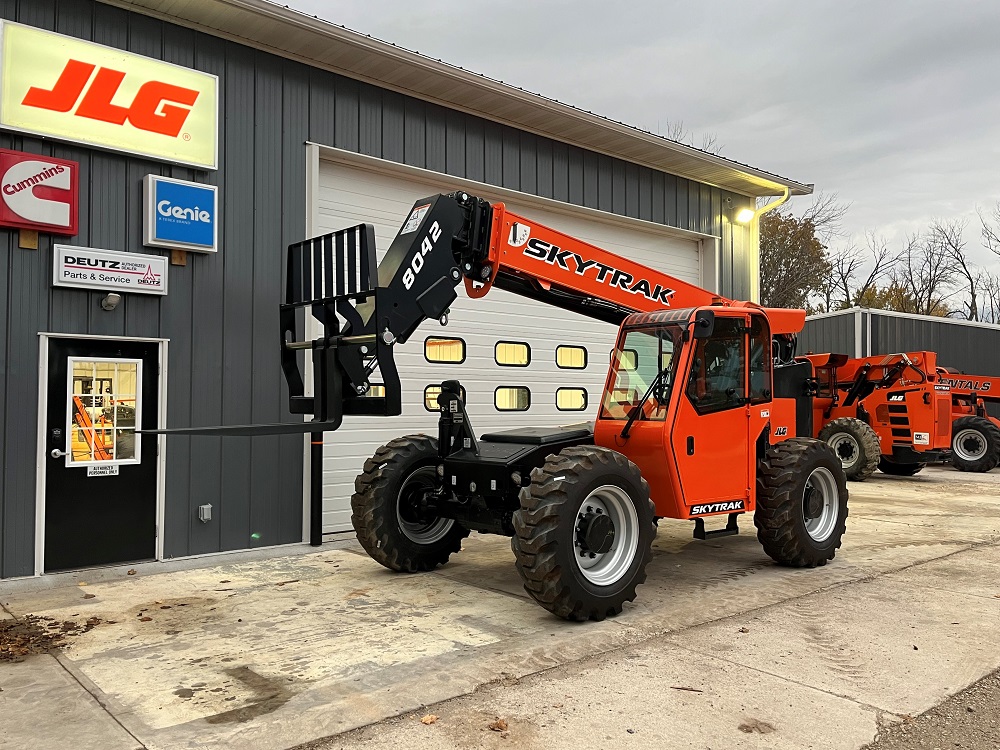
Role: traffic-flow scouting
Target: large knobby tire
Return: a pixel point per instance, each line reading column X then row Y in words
column 584, row 533
column 888, row 466
column 405, row 465
column 801, row 502
column 857, row 445
column 975, row 444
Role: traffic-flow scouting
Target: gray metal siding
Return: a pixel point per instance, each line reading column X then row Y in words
column 834, row 334
column 221, row 313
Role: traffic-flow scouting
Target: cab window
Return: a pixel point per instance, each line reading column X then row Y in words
column 718, row 370
column 635, row 364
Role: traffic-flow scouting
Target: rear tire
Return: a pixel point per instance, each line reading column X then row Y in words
column 584, row 533
column 975, row 444
column 801, row 503
column 857, row 445
column 404, row 465
column 888, row 466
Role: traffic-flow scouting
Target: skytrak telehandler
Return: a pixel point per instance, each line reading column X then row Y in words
column 891, row 412
column 704, row 412
column 975, row 435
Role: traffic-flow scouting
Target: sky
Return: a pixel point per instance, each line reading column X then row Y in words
column 893, row 105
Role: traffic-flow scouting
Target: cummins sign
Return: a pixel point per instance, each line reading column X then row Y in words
column 38, row 192
column 180, row 214
column 66, row 88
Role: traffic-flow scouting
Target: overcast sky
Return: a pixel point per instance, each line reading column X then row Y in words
column 894, row 106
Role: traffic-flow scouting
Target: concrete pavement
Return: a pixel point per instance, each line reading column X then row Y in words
column 276, row 652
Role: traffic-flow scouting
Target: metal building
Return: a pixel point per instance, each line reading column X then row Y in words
column 300, row 126
column 969, row 347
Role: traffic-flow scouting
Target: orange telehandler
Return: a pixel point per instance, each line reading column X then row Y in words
column 891, row 412
column 975, row 435
column 705, row 411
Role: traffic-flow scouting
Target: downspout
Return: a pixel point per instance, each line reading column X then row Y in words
column 755, row 243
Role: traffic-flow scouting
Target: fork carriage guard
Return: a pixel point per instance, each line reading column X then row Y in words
column 364, row 310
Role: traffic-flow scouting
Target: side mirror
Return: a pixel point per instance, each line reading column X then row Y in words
column 704, row 324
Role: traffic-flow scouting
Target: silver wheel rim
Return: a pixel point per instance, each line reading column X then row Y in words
column 609, row 568
column 969, row 445
column 422, row 533
column 821, row 481
column 847, row 448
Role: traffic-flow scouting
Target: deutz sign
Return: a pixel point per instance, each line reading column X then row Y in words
column 107, row 270
column 66, row 88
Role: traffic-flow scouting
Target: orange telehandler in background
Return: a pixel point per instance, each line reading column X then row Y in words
column 705, row 411
column 975, row 441
column 891, row 412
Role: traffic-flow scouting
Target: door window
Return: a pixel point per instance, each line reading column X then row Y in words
column 760, row 360
column 102, row 410
column 718, row 371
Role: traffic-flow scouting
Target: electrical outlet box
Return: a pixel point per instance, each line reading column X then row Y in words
column 204, row 513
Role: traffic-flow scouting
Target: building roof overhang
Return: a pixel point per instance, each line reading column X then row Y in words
column 313, row 41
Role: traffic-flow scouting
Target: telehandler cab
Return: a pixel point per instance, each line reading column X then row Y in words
column 704, row 413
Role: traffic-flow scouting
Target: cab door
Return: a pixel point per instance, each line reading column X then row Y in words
column 709, row 436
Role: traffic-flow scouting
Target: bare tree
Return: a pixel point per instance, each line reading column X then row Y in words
column 675, row 130
column 991, row 229
column 826, row 213
column 949, row 236
column 989, row 285
column 848, row 283
column 925, row 273
column 794, row 263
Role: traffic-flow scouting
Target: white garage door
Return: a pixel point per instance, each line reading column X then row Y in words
column 350, row 195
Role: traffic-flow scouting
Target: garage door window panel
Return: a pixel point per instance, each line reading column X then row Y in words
column 571, row 399
column 512, row 354
column 512, row 398
column 571, row 357
column 450, row 351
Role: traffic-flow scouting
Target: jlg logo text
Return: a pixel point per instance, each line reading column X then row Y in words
column 158, row 107
column 61, row 87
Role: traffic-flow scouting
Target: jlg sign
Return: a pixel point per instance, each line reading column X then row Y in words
column 78, row 91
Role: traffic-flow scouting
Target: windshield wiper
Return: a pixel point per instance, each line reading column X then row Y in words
column 637, row 410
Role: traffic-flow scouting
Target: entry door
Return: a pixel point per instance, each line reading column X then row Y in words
column 710, row 435
column 101, row 478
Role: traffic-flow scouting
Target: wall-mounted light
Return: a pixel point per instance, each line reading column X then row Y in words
column 111, row 300
column 746, row 215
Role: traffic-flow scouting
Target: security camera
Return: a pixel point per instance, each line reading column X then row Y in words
column 110, row 302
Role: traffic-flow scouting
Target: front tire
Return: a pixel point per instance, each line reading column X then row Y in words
column 856, row 443
column 801, row 503
column 381, row 512
column 975, row 444
column 888, row 466
column 584, row 533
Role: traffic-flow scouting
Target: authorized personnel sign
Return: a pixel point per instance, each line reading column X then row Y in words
column 66, row 88
column 180, row 214
column 109, row 271
column 39, row 192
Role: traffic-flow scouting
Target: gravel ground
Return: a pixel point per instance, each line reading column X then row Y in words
column 968, row 720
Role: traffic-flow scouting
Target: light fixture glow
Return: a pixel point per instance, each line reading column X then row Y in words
column 744, row 216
